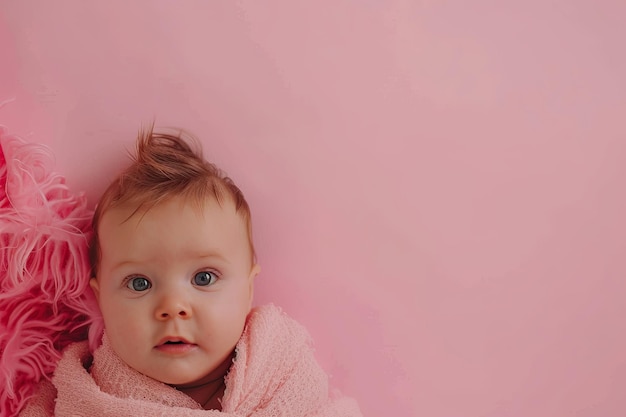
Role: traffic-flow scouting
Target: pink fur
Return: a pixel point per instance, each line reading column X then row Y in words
column 45, row 303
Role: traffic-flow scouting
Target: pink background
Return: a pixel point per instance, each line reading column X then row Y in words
column 438, row 186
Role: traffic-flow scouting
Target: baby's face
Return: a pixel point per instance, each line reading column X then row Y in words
column 175, row 286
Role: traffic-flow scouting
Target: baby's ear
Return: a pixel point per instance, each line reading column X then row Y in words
column 256, row 268
column 95, row 286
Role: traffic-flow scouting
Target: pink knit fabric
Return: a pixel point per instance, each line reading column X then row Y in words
column 44, row 269
column 274, row 374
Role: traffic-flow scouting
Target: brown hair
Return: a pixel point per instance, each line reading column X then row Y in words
column 166, row 166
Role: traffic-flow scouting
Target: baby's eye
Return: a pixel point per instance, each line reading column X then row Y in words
column 139, row 284
column 204, row 278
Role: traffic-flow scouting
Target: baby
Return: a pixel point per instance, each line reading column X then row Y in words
column 173, row 267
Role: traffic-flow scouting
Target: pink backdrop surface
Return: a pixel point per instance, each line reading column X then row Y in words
column 437, row 186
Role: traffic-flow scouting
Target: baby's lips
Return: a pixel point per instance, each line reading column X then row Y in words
column 174, row 340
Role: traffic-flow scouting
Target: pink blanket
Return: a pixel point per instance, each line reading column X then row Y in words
column 274, row 374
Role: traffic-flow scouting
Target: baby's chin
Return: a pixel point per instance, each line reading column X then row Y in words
column 177, row 377
column 179, row 381
column 182, row 380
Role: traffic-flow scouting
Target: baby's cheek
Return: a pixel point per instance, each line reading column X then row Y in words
column 123, row 322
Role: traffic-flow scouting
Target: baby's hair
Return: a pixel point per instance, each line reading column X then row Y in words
column 166, row 166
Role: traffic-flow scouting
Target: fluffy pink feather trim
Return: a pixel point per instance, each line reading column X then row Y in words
column 44, row 270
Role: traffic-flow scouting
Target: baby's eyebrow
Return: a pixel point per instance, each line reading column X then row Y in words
column 195, row 255
column 126, row 262
column 208, row 255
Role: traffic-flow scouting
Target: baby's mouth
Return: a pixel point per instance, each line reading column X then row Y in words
column 174, row 340
column 175, row 346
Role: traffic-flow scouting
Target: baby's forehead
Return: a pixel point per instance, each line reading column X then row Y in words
column 140, row 207
column 212, row 223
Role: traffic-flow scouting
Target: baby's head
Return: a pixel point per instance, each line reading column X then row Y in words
column 173, row 263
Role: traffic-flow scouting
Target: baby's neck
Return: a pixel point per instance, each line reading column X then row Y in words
column 209, row 390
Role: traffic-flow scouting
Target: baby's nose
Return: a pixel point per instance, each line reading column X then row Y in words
column 165, row 314
column 173, row 306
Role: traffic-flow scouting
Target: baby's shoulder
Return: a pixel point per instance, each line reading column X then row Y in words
column 269, row 328
column 41, row 404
